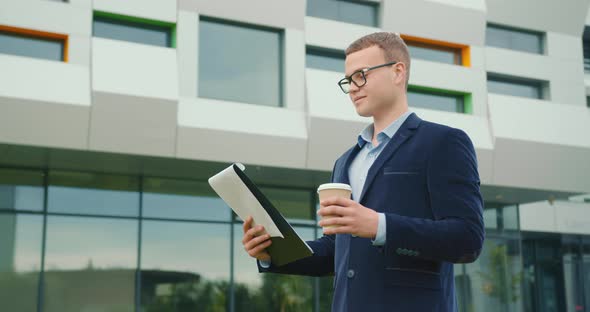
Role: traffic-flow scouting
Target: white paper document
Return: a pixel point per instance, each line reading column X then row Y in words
column 228, row 185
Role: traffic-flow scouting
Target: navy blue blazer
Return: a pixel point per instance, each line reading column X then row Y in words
column 427, row 184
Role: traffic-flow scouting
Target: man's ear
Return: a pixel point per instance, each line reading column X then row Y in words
column 400, row 73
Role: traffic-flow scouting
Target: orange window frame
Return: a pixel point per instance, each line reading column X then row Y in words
column 25, row 32
column 459, row 49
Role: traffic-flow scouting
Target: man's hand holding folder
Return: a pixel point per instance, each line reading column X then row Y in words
column 256, row 240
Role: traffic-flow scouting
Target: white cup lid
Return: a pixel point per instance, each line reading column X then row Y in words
column 328, row 186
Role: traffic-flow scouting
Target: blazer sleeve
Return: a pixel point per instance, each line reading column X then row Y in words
column 321, row 263
column 456, row 233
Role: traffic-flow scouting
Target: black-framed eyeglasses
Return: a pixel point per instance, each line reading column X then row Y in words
column 358, row 77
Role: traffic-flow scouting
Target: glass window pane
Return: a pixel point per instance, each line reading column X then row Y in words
column 490, row 218
column 20, row 261
column 363, row 13
column 21, row 190
column 90, row 264
column 292, row 204
column 322, row 8
column 269, row 292
column 495, row 278
column 223, row 73
column 510, row 218
column 87, row 193
column 515, row 88
column 443, row 102
column 526, row 41
column 586, row 49
column 112, row 28
column 185, row 266
column 31, row 47
column 182, row 199
column 348, row 11
column 325, row 60
column 434, row 55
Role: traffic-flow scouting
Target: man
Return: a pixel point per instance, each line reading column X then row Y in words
column 416, row 207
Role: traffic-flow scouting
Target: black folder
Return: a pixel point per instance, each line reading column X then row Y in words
column 282, row 250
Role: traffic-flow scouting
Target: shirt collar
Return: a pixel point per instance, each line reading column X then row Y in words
column 366, row 135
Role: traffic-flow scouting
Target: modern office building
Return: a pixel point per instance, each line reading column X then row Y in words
column 113, row 114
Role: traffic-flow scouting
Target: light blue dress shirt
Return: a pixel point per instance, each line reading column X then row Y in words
column 359, row 168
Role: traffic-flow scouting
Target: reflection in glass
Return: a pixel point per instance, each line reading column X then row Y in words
column 495, row 277
column 90, row 264
column 510, row 218
column 434, row 55
column 490, row 218
column 269, row 292
column 436, row 100
column 515, row 87
column 324, row 59
column 184, row 266
column 356, row 12
column 31, row 47
column 21, row 190
column 292, row 204
column 223, row 73
column 87, row 193
column 181, row 199
column 514, row 39
column 117, row 29
column 20, row 261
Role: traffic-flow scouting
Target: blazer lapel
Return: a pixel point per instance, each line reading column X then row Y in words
column 348, row 158
column 404, row 133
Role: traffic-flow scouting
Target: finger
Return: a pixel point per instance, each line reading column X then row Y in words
column 341, row 221
column 251, row 233
column 339, row 201
column 260, row 248
column 256, row 241
column 247, row 224
column 333, row 210
column 338, row 230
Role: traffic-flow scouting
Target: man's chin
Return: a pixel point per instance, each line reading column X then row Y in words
column 363, row 113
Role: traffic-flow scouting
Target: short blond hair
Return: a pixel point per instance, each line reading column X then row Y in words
column 393, row 46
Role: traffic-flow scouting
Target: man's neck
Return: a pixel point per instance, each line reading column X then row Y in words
column 381, row 121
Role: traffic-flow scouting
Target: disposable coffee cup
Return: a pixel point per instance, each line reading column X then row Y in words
column 328, row 190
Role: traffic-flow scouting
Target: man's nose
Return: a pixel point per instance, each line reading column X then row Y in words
column 353, row 88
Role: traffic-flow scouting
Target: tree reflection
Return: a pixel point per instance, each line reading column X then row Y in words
column 278, row 293
column 498, row 282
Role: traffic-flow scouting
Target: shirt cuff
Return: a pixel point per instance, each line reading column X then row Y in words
column 264, row 264
column 380, row 237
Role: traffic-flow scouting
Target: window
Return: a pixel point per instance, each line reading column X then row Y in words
column 586, row 47
column 437, row 51
column 180, row 199
column 514, row 39
column 21, row 190
column 348, row 11
column 517, row 86
column 33, row 43
column 196, row 281
column 437, row 99
column 92, row 194
column 20, row 260
column 133, row 29
column 90, row 264
column 324, row 59
column 240, row 63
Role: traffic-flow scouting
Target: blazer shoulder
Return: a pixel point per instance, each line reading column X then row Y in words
column 441, row 131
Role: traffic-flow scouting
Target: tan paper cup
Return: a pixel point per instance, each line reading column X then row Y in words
column 328, row 190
